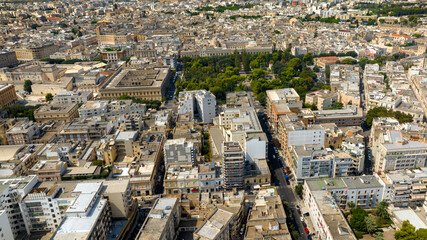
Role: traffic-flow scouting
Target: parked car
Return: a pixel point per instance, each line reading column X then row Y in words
column 306, row 230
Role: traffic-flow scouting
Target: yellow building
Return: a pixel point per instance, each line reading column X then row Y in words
column 7, row 95
column 29, row 53
column 146, row 84
column 108, row 152
column 56, row 112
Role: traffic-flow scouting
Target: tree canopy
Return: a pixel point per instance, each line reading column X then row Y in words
column 383, row 112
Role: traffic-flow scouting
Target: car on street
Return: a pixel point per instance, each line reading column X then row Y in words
column 306, row 230
column 302, row 219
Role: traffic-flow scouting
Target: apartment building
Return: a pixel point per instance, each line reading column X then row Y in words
column 393, row 152
column 297, row 134
column 216, row 226
column 18, row 159
column 404, row 188
column 181, row 179
column 73, row 97
column 328, row 220
column 314, row 161
column 243, row 126
column 12, row 190
column 44, row 206
column 210, row 179
column 124, row 142
column 93, row 108
column 22, row 132
column 5, row 231
column 233, row 159
column 119, row 195
column 35, row 52
column 179, row 151
column 7, row 95
column 88, row 217
column 323, row 99
column 162, row 221
column 149, row 149
column 56, row 112
column 146, row 84
column 8, row 58
column 349, row 116
column 281, row 102
column 267, row 217
column 79, row 129
column 49, row 170
column 201, row 102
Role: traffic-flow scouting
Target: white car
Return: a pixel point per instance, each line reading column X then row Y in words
column 302, row 219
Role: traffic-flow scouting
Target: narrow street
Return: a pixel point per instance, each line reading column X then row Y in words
column 278, row 179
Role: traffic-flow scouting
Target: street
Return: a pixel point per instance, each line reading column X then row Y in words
column 284, row 189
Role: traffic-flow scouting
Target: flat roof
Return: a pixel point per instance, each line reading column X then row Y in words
column 214, row 225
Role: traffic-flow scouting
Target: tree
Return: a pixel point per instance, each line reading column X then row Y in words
column 34, row 26
column 383, row 112
column 406, row 232
column 298, row 189
column 349, row 61
column 27, row 86
column 382, row 209
column 351, row 205
column 358, row 221
column 379, row 235
column 49, row 97
column 370, row 224
column 328, row 71
column 337, row 105
column 308, row 58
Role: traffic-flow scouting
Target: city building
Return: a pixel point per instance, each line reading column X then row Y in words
column 267, row 217
column 56, row 112
column 328, row 220
column 179, row 151
column 280, row 102
column 349, row 116
column 93, row 108
column 12, row 190
column 181, row 179
column 146, row 84
column 73, row 97
column 88, row 217
column 79, row 129
column 199, row 103
column 233, row 160
column 18, row 159
column 393, row 152
column 364, row 191
column 119, row 195
column 216, row 226
column 315, row 161
column 22, row 132
column 323, row 99
column 8, row 58
column 404, row 188
column 35, row 52
column 7, row 95
column 43, row 208
column 5, row 231
column 162, row 221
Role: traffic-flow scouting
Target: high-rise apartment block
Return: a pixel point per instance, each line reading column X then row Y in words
column 233, row 159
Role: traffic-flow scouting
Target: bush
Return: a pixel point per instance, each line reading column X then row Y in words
column 359, row 235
